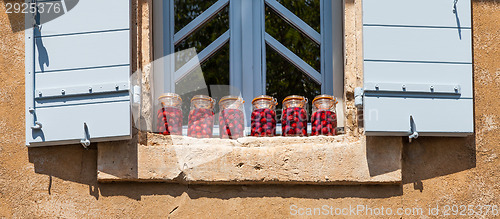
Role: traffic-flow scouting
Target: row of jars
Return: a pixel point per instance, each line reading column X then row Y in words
column 294, row 116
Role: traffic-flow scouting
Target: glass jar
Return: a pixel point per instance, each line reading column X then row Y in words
column 169, row 116
column 324, row 118
column 201, row 117
column 263, row 117
column 294, row 116
column 231, row 117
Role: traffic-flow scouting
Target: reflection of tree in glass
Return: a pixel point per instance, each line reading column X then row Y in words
column 306, row 10
column 282, row 77
column 215, row 70
column 187, row 10
column 294, row 40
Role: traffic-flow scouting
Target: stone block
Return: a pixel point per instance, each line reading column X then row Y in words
column 251, row 160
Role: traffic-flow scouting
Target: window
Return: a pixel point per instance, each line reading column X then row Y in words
column 250, row 47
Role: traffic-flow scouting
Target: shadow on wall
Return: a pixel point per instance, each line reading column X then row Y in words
column 385, row 149
column 430, row 157
column 72, row 162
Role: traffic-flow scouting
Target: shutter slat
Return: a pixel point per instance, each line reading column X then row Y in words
column 66, row 124
column 86, row 51
column 417, row 44
column 442, row 117
column 437, row 13
column 88, row 16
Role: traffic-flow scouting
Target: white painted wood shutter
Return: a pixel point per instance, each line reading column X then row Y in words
column 77, row 74
column 417, row 67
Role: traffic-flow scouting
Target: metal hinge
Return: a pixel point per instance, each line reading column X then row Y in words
column 82, row 90
column 412, row 88
column 358, row 97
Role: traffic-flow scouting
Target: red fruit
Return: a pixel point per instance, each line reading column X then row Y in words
column 324, row 123
column 169, row 118
column 233, row 119
column 263, row 119
column 329, row 126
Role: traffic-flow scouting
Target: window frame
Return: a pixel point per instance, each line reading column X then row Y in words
column 249, row 44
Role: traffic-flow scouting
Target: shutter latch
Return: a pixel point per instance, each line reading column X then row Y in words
column 413, row 129
column 86, row 136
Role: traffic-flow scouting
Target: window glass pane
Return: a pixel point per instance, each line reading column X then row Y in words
column 307, row 10
column 294, row 40
column 201, row 38
column 187, row 10
column 215, row 71
column 283, row 79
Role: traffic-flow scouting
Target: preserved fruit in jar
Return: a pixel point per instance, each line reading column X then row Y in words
column 263, row 119
column 169, row 116
column 231, row 117
column 201, row 117
column 294, row 116
column 324, row 118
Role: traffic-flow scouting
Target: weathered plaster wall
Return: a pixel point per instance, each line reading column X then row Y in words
column 62, row 181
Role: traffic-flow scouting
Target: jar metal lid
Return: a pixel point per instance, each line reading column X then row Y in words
column 231, row 98
column 265, row 97
column 325, row 96
column 172, row 95
column 203, row 97
column 295, row 97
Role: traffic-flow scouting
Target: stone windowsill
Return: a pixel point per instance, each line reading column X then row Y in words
column 252, row 160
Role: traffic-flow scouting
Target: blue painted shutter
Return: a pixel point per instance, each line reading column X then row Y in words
column 77, row 74
column 418, row 64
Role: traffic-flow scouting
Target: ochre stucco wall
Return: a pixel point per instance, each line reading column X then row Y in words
column 61, row 181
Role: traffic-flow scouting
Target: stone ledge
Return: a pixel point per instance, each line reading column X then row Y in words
column 251, row 160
